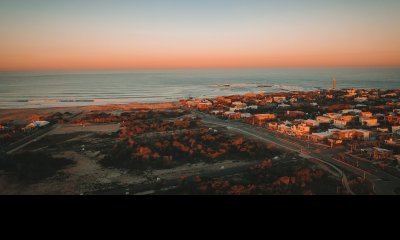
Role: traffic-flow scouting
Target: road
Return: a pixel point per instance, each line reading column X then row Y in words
column 384, row 183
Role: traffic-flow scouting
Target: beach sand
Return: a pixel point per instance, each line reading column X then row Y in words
column 34, row 114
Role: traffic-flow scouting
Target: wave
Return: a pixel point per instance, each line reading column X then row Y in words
column 243, row 85
column 289, row 87
column 54, row 100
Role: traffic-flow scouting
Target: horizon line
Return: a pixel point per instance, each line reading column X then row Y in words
column 194, row 68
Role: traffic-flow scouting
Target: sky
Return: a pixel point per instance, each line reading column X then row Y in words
column 145, row 34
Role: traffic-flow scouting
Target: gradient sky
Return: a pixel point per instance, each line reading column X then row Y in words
column 122, row 34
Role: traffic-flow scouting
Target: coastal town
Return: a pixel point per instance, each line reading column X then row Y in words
column 329, row 141
column 363, row 125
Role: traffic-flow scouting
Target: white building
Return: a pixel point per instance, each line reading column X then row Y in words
column 351, row 111
column 38, row 124
column 245, row 115
column 283, row 105
column 253, row 107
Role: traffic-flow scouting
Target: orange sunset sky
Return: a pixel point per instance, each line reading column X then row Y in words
column 121, row 34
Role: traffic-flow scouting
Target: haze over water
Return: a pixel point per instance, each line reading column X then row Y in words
column 53, row 89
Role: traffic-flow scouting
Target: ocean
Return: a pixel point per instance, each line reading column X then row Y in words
column 56, row 89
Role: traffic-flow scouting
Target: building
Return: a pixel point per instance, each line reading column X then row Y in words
column 283, row 105
column 361, row 99
column 37, row 124
column 284, row 128
column 236, row 109
column 340, row 123
column 191, row 103
column 253, row 107
column 245, row 115
column 347, row 118
column 384, row 130
column 301, row 129
column 204, row 105
column 263, row 117
column 366, row 114
column 334, row 83
column 329, row 96
column 332, row 115
column 351, row 92
column 232, row 115
column 393, row 142
column 345, row 134
column 267, row 100
column 311, row 123
column 217, row 112
column 318, row 137
column 351, row 111
column 361, row 106
column 273, row 125
column 294, row 114
column 239, row 104
column 279, row 99
column 323, row 119
column 392, row 120
column 363, row 134
column 224, row 100
column 251, row 95
column 381, row 153
column 395, row 129
column 370, row 122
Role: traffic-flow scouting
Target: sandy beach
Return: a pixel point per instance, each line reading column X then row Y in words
column 33, row 114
